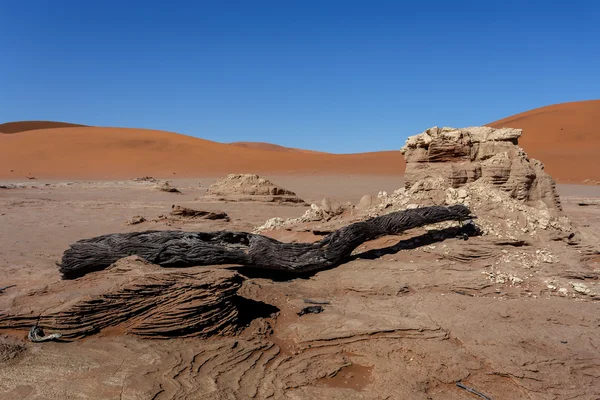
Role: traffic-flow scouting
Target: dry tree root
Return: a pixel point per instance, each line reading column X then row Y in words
column 36, row 335
column 186, row 249
column 3, row 288
column 471, row 390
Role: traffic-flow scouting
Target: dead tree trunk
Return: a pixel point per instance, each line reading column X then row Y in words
column 185, row 249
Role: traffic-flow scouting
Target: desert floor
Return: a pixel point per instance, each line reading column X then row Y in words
column 399, row 325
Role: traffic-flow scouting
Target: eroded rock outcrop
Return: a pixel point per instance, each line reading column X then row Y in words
column 134, row 297
column 250, row 187
column 484, row 169
column 478, row 154
column 480, row 167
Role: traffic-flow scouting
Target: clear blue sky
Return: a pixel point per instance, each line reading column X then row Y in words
column 339, row 76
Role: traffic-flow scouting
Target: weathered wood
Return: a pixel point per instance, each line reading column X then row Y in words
column 185, row 249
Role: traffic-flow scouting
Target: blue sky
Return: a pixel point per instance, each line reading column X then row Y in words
column 339, row 76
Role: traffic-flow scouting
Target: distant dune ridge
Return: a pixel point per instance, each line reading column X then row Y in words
column 123, row 153
column 273, row 147
column 23, row 126
column 565, row 137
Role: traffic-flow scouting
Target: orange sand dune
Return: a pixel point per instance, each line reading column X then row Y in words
column 23, row 126
column 272, row 147
column 565, row 137
column 119, row 153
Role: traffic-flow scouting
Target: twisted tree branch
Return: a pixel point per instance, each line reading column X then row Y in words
column 185, row 249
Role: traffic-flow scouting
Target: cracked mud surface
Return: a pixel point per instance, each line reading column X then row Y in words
column 512, row 320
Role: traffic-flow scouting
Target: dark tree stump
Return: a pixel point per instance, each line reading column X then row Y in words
column 185, row 249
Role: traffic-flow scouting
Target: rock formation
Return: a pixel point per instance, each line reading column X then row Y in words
column 480, row 167
column 135, row 297
column 166, row 187
column 484, row 169
column 484, row 154
column 323, row 212
column 185, row 212
column 249, row 187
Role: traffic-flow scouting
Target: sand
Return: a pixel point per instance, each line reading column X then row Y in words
column 400, row 325
column 24, row 126
column 118, row 153
column 564, row 137
column 272, row 147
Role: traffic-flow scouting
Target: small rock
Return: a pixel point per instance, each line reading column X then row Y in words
column 138, row 219
column 367, row 201
column 311, row 310
column 516, row 280
column 166, row 187
column 145, row 179
column 331, row 206
column 580, row 288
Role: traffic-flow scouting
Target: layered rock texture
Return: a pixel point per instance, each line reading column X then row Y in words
column 484, row 154
column 480, row 167
column 133, row 297
column 250, row 187
column 184, row 212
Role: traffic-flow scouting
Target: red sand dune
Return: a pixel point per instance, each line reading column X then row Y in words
column 272, row 147
column 110, row 153
column 22, row 126
column 565, row 137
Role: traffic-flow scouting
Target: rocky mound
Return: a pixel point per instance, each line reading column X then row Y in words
column 480, row 167
column 485, row 169
column 497, row 212
column 166, row 187
column 484, row 154
column 134, row 297
column 250, row 187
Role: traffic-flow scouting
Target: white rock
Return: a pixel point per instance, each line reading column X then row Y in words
column 580, row 288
